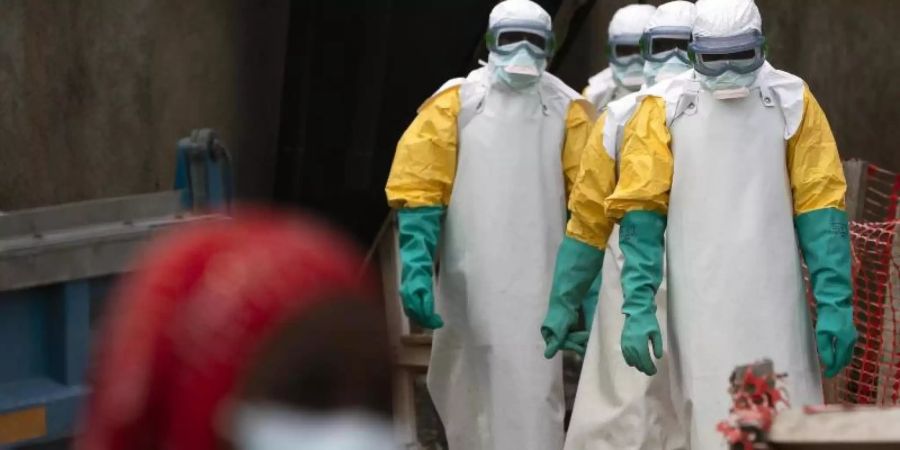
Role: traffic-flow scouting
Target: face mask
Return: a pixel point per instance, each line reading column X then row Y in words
column 630, row 76
column 729, row 81
column 654, row 72
column 264, row 427
column 518, row 69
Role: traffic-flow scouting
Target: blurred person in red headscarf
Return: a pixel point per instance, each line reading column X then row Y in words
column 257, row 333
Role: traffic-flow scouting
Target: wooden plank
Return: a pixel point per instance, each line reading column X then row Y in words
column 416, row 340
column 403, row 379
column 854, row 173
column 405, row 410
column 390, row 281
column 413, row 359
column 836, row 428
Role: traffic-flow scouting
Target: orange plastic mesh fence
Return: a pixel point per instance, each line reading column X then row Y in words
column 873, row 376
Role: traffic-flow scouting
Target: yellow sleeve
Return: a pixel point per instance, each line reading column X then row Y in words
column 596, row 179
column 816, row 173
column 425, row 160
column 578, row 127
column 645, row 165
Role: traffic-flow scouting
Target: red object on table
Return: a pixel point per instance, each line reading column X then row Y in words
column 756, row 397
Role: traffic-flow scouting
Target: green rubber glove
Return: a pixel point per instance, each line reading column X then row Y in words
column 577, row 267
column 825, row 242
column 641, row 238
column 589, row 304
column 419, row 229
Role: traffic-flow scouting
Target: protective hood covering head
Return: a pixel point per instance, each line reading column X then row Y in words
column 724, row 29
column 671, row 19
column 625, row 30
column 679, row 13
column 723, row 18
column 519, row 10
column 187, row 324
column 630, row 20
column 519, row 65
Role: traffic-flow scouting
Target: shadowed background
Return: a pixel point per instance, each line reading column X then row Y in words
column 312, row 95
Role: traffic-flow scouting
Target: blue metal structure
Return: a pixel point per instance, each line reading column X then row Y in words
column 204, row 171
column 45, row 331
column 56, row 267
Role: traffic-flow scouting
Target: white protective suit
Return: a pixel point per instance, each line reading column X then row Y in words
column 736, row 293
column 603, row 88
column 722, row 285
column 488, row 378
column 618, row 408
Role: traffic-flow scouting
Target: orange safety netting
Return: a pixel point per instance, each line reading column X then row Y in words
column 873, row 376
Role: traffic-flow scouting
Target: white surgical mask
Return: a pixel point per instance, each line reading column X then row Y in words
column 269, row 427
column 630, row 76
column 654, row 72
column 728, row 81
column 519, row 69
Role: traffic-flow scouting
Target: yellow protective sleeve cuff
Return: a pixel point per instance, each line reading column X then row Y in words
column 578, row 128
column 645, row 165
column 596, row 180
column 425, row 160
column 814, row 166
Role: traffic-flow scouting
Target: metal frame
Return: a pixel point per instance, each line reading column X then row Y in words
column 81, row 240
column 56, row 264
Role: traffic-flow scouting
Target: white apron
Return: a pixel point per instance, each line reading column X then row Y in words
column 735, row 287
column 617, row 407
column 488, row 378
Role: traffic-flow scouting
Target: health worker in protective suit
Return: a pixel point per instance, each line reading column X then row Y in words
column 483, row 172
column 611, row 395
column 736, row 162
column 625, row 73
column 622, row 77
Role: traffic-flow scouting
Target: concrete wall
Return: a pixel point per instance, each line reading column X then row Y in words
column 95, row 93
column 843, row 49
column 848, row 54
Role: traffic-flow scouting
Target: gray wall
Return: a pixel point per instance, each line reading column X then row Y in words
column 842, row 48
column 95, row 93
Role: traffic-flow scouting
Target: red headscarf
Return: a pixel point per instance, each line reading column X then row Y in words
column 183, row 327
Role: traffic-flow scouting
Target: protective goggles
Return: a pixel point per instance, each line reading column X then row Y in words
column 624, row 49
column 713, row 56
column 662, row 43
column 507, row 37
